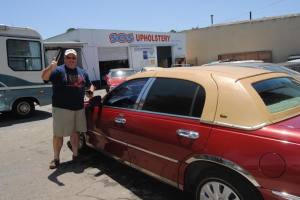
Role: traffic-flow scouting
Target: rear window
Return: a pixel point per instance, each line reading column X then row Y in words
column 121, row 73
column 279, row 94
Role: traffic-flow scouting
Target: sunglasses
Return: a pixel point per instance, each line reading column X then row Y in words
column 72, row 57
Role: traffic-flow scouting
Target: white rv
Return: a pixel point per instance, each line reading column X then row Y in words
column 21, row 63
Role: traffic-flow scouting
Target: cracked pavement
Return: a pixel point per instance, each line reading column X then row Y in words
column 25, row 152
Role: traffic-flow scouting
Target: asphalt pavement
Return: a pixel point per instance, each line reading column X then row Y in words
column 25, row 153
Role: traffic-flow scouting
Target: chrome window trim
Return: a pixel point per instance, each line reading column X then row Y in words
column 285, row 195
column 222, row 124
column 145, row 94
column 163, row 114
column 224, row 162
column 194, row 101
column 146, row 86
column 248, row 128
column 138, row 148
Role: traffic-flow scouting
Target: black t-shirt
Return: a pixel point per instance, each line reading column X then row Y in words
column 69, row 87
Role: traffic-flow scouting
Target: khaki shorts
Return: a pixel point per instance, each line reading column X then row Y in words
column 66, row 122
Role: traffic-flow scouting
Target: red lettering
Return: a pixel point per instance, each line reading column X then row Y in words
column 152, row 38
column 168, row 39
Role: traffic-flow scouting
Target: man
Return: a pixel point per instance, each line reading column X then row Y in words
column 69, row 83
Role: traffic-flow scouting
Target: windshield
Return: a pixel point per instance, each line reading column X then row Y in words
column 279, row 94
column 122, row 73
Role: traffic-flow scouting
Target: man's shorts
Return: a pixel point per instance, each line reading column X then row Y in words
column 66, row 122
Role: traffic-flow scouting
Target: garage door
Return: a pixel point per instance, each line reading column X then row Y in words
column 112, row 53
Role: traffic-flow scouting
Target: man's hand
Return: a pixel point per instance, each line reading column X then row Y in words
column 53, row 64
column 47, row 71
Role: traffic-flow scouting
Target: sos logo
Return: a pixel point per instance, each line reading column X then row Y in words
column 121, row 37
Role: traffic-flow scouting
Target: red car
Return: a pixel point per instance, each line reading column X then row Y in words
column 219, row 132
column 117, row 76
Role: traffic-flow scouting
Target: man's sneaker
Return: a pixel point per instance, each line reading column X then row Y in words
column 54, row 164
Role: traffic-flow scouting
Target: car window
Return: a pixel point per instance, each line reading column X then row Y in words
column 174, row 96
column 125, row 95
column 279, row 94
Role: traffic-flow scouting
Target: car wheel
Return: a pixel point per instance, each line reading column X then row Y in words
column 224, row 185
column 23, row 108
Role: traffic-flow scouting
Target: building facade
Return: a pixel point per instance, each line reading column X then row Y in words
column 103, row 50
column 269, row 39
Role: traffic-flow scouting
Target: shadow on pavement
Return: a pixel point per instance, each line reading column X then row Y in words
column 6, row 119
column 141, row 185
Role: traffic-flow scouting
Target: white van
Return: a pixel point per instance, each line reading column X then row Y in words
column 21, row 63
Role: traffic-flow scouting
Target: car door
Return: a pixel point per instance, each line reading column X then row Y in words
column 109, row 131
column 167, row 128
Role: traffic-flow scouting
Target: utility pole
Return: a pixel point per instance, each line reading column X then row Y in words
column 212, row 19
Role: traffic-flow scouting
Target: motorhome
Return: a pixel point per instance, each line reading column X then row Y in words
column 21, row 63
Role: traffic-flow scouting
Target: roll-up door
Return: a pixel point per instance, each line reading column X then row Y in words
column 112, row 53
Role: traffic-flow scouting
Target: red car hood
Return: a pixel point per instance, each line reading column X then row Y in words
column 287, row 130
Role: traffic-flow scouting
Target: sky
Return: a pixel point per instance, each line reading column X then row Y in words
column 54, row 17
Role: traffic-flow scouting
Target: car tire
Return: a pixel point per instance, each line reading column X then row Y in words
column 224, row 185
column 23, row 108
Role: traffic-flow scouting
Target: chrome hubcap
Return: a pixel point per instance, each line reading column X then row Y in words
column 23, row 108
column 213, row 190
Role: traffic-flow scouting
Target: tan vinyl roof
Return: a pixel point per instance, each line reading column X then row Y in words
column 230, row 98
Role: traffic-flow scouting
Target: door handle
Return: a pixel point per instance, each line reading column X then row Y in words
column 187, row 134
column 120, row 120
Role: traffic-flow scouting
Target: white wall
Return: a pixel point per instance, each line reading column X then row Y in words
column 97, row 38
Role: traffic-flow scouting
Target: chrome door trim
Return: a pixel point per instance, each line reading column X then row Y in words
column 285, row 195
column 158, row 177
column 163, row 179
column 224, row 162
column 138, row 148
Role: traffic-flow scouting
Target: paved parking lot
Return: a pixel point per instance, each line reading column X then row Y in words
column 25, row 152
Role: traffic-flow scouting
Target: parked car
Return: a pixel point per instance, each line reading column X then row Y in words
column 280, row 67
column 214, row 131
column 117, row 76
column 145, row 69
column 293, row 64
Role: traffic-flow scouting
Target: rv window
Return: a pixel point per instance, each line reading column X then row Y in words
column 24, row 55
